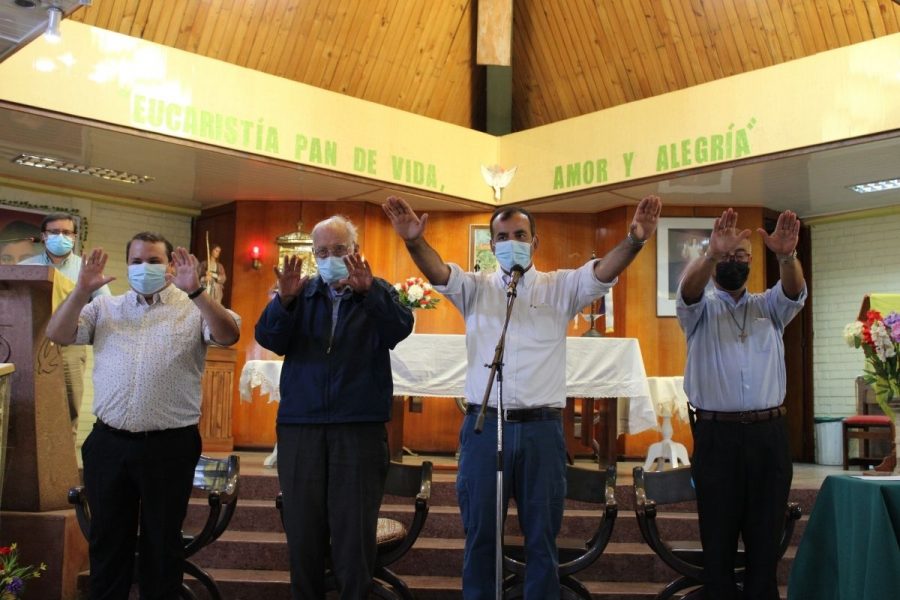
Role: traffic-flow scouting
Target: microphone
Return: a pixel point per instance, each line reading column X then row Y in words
column 32, row 238
column 515, row 274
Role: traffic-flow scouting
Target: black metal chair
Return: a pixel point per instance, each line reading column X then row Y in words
column 219, row 478
column 394, row 538
column 653, row 489
column 582, row 485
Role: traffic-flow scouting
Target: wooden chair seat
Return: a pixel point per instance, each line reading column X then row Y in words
column 865, row 428
column 869, row 420
column 389, row 531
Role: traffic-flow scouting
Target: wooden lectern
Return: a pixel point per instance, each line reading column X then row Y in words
column 40, row 454
column 40, row 457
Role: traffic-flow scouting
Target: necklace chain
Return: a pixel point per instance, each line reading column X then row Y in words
column 742, row 334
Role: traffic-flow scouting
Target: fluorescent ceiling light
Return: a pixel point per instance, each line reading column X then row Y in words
column 875, row 186
column 53, row 164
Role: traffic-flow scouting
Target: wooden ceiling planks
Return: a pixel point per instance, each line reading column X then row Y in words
column 570, row 57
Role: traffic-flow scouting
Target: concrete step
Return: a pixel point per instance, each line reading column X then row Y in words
column 445, row 522
column 443, row 493
column 249, row 584
column 441, row 557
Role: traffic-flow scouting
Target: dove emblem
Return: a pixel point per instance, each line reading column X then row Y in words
column 498, row 178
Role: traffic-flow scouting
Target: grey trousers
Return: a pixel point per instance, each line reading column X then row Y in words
column 332, row 478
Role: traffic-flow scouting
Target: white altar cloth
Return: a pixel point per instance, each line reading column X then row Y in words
column 435, row 365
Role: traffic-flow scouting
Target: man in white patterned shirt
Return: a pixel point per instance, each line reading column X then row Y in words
column 149, row 351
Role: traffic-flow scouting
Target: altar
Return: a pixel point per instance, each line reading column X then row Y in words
column 434, row 365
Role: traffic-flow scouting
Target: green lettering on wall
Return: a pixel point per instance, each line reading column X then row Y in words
column 701, row 145
column 573, row 175
column 364, row 160
column 558, row 182
column 628, row 157
column 662, row 159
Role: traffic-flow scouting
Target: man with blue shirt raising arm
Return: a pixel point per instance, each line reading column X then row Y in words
column 58, row 234
column 735, row 380
column 534, row 382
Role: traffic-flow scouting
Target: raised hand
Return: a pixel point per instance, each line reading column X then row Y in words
column 405, row 222
column 359, row 273
column 185, row 275
column 725, row 235
column 91, row 278
column 787, row 232
column 290, row 278
column 646, row 218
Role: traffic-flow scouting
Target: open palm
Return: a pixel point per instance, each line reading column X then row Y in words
column 405, row 222
column 787, row 232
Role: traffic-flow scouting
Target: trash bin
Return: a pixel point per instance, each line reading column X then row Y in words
column 829, row 443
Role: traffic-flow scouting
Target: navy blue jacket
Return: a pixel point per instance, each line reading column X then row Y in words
column 346, row 379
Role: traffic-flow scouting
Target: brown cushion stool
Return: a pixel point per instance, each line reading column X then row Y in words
column 865, row 428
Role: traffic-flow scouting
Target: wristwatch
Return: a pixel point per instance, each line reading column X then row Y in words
column 636, row 243
column 784, row 259
column 196, row 292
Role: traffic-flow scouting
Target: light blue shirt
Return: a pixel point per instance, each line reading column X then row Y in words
column 70, row 267
column 723, row 373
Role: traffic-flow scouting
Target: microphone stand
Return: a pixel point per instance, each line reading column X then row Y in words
column 496, row 367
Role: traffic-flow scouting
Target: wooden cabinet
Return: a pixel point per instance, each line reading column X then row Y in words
column 217, row 387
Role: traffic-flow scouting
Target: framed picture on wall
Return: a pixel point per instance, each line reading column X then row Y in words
column 481, row 257
column 679, row 241
column 18, row 224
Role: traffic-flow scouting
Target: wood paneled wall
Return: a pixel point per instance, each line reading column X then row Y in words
column 565, row 241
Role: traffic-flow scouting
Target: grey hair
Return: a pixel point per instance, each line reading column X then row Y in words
column 337, row 220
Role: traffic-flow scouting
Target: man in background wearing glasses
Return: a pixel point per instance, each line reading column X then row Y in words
column 58, row 234
column 335, row 331
column 735, row 380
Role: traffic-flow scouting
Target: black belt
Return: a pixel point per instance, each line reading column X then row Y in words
column 139, row 434
column 520, row 415
column 747, row 416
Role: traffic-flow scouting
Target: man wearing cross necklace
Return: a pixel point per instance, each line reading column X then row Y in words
column 735, row 380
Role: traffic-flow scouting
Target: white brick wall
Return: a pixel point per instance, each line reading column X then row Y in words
column 850, row 258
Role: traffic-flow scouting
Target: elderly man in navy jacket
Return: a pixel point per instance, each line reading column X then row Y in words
column 335, row 332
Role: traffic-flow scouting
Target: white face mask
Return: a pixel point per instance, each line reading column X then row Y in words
column 512, row 252
column 147, row 278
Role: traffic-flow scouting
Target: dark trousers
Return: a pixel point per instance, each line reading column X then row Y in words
column 332, row 478
column 134, row 482
column 742, row 474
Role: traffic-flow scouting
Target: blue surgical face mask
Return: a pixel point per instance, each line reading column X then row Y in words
column 512, row 252
column 332, row 269
column 147, row 278
column 59, row 244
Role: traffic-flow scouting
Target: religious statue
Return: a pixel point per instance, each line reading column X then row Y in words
column 212, row 274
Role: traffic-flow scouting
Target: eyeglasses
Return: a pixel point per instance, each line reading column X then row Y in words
column 337, row 251
column 68, row 232
column 739, row 256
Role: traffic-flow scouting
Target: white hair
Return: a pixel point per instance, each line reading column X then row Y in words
column 337, row 220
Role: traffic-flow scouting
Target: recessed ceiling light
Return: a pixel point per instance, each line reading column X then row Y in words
column 875, row 186
column 53, row 164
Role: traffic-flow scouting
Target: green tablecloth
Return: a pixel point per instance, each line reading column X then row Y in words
column 851, row 547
